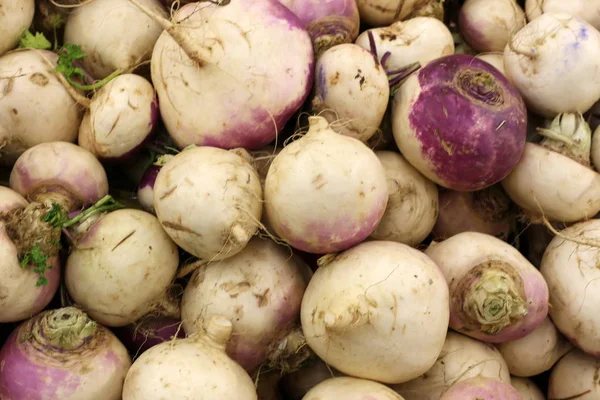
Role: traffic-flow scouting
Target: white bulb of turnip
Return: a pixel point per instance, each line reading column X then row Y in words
column 15, row 17
column 585, row 9
column 575, row 376
column 349, row 388
column 384, row 12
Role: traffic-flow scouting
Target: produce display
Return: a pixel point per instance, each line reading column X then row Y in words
column 299, row 199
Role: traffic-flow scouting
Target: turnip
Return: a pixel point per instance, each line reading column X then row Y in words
column 121, row 116
column 244, row 98
column 586, row 9
column 548, row 62
column 114, row 34
column 259, row 289
column 349, row 388
column 575, row 376
column 35, row 107
column 351, row 90
column 149, row 331
column 413, row 205
column 486, row 211
column 460, row 122
column 553, row 179
column 417, row 40
column 461, row 358
column 384, row 12
column 325, row 192
column 209, row 201
column 15, row 17
column 145, row 192
column 535, row 353
column 189, row 368
column 526, row 389
column 328, row 23
column 496, row 294
column 377, row 311
column 495, row 59
column 573, row 295
column 20, row 294
column 488, row 26
column 62, row 354
column 297, row 383
column 120, row 250
column 595, row 149
column 481, row 389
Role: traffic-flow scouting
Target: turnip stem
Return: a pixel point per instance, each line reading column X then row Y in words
column 66, row 329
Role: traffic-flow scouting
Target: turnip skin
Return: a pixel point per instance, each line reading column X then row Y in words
column 210, row 215
column 297, row 383
column 575, row 376
column 496, row 294
column 145, row 193
column 355, row 189
column 377, row 311
column 482, row 388
column 349, row 388
column 244, row 103
column 15, row 17
column 585, row 9
column 378, row 13
column 62, row 354
column 188, row 368
column 445, row 124
column 548, row 62
column 526, row 388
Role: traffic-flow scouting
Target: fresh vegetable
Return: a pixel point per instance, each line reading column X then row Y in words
column 482, row 389
column 335, row 167
column 149, row 331
column 62, row 354
column 15, row 17
column 377, row 311
column 457, row 112
column 496, row 294
column 575, row 377
column 351, row 389
column 585, row 9
column 413, row 204
column 384, row 12
column 193, row 366
column 526, row 388
column 549, row 62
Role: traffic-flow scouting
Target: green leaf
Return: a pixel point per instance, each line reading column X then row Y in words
column 39, row 262
column 70, row 53
column 37, row 41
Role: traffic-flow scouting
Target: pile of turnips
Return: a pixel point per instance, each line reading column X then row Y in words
column 299, row 199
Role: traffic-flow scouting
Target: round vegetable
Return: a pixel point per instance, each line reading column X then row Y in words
column 585, row 9
column 575, row 376
column 15, row 17
column 384, row 12
column 348, row 388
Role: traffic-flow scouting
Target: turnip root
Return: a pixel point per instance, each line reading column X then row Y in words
column 209, row 201
column 114, row 34
column 535, row 353
column 149, row 331
column 349, row 388
column 496, row 294
column 585, row 9
column 259, row 289
column 377, row 311
column 526, row 388
column 575, row 376
column 488, row 26
column 35, row 108
column 245, row 101
column 457, row 112
column 20, row 297
column 328, row 23
column 486, row 211
column 573, row 295
column 62, row 354
column 339, row 174
column 481, row 389
column 121, row 116
column 297, row 383
column 351, row 91
column 419, row 39
column 554, row 179
column 190, row 367
column 548, row 62
column 461, row 358
column 15, row 17
column 384, row 12
column 120, row 250
column 413, row 205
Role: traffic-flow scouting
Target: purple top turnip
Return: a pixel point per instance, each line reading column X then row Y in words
column 460, row 122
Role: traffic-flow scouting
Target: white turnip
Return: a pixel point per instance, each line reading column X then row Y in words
column 526, row 388
column 575, row 376
column 120, row 250
column 377, row 311
column 190, row 367
column 413, row 204
column 481, row 389
column 349, row 388
column 325, row 192
column 496, row 294
column 15, row 18
column 549, row 62
column 488, row 25
column 455, row 113
column 585, row 9
column 461, row 358
column 351, row 90
column 245, row 98
column 495, row 59
column 535, row 353
column 209, row 201
column 384, row 12
column 62, row 354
